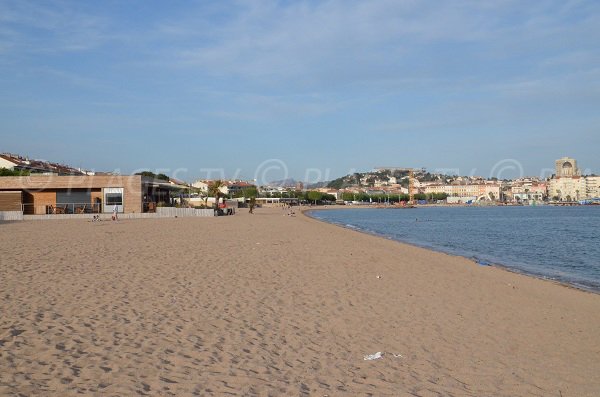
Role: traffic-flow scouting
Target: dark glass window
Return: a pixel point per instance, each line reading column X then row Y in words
column 114, row 199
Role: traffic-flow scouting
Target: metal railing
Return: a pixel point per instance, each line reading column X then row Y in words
column 62, row 208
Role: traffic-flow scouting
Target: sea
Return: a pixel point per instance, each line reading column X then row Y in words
column 556, row 243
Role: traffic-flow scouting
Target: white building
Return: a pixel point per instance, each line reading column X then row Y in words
column 527, row 191
column 480, row 191
column 569, row 185
column 567, row 188
column 7, row 162
column 592, row 187
column 203, row 186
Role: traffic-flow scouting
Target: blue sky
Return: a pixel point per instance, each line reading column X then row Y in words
column 303, row 89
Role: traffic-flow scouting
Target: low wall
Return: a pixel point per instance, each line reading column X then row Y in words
column 11, row 215
column 171, row 212
column 161, row 212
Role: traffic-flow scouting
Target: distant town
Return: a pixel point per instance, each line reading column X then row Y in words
column 52, row 188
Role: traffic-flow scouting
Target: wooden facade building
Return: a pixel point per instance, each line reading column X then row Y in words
column 47, row 194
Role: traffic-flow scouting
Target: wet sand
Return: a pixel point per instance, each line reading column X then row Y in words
column 269, row 304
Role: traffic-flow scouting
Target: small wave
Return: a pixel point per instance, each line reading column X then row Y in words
column 494, row 235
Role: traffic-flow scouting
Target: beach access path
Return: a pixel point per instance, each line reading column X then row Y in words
column 270, row 304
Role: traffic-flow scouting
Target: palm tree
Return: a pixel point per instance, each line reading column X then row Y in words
column 215, row 190
column 251, row 193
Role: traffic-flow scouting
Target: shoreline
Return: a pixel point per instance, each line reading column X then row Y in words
column 273, row 304
column 507, row 268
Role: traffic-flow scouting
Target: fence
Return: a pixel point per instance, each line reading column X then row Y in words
column 62, row 208
column 171, row 212
column 11, row 215
column 161, row 212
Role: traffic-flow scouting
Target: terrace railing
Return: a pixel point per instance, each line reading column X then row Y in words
column 62, row 208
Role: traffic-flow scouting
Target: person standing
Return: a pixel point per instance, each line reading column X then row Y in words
column 115, row 213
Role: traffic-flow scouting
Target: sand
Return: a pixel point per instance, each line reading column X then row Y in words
column 268, row 304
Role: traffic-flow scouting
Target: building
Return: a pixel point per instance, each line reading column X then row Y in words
column 237, row 188
column 568, row 184
column 528, row 191
column 485, row 191
column 333, row 192
column 7, row 162
column 232, row 188
column 566, row 167
column 201, row 185
column 592, row 187
column 567, row 188
column 72, row 194
column 19, row 163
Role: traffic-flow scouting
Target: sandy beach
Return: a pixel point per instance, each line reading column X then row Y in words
column 275, row 305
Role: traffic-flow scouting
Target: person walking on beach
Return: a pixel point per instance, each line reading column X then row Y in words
column 115, row 212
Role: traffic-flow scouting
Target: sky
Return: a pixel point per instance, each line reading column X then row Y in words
column 310, row 90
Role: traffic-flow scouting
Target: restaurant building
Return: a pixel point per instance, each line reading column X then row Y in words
column 79, row 194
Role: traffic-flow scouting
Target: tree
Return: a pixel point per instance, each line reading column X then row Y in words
column 9, row 172
column 215, row 190
column 151, row 174
column 315, row 196
column 336, row 183
column 328, row 197
column 252, row 193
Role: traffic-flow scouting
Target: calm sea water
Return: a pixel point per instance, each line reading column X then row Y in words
column 560, row 243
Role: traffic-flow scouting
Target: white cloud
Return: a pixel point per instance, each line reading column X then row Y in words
column 337, row 43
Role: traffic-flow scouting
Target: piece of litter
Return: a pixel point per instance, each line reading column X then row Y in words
column 375, row 356
column 378, row 276
column 397, row 355
column 480, row 261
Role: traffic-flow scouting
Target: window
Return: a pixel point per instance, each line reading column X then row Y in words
column 114, row 198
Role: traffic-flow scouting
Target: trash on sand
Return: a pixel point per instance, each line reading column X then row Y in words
column 375, row 356
column 481, row 261
column 378, row 355
column 378, row 276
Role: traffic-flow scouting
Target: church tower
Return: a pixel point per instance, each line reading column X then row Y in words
column 566, row 167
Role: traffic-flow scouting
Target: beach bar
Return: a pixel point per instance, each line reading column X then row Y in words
column 81, row 194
